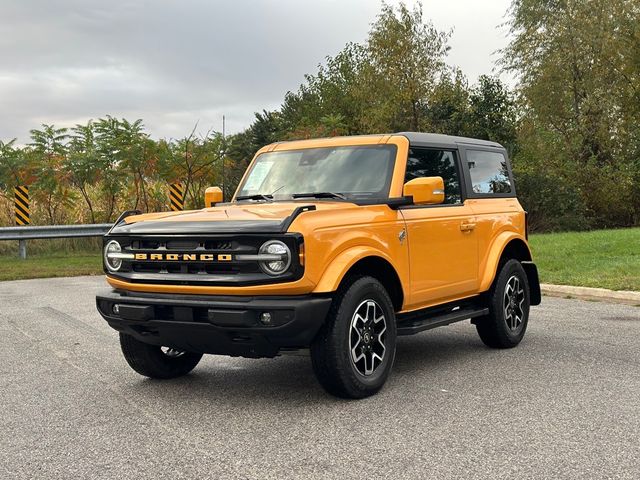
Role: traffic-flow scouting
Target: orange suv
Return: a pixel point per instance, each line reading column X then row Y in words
column 337, row 245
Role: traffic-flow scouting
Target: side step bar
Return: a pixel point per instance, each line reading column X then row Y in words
column 417, row 325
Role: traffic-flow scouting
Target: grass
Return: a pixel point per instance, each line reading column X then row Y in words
column 42, row 265
column 600, row 258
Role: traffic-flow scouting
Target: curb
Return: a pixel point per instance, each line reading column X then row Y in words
column 588, row 293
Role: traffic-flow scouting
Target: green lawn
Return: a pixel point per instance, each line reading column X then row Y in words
column 50, row 265
column 601, row 258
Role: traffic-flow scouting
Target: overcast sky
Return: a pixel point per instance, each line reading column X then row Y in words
column 173, row 63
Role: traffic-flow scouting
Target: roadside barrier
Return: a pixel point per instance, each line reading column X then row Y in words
column 21, row 204
column 24, row 231
column 22, row 234
column 176, row 197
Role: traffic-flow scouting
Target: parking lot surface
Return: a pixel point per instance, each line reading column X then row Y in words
column 564, row 404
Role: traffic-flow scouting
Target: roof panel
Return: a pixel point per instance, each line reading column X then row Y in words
column 446, row 140
column 433, row 139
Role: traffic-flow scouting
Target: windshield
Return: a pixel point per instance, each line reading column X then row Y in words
column 351, row 172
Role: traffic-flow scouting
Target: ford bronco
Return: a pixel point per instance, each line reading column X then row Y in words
column 336, row 245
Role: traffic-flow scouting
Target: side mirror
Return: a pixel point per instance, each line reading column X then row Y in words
column 425, row 190
column 212, row 195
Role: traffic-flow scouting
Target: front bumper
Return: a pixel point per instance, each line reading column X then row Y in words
column 227, row 325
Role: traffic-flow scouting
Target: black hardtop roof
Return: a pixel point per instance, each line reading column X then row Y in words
column 437, row 139
column 417, row 138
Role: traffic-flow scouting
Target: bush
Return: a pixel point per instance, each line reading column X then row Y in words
column 553, row 202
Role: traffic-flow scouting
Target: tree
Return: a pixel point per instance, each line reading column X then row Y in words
column 14, row 169
column 383, row 84
column 406, row 56
column 192, row 161
column 50, row 141
column 335, row 90
column 447, row 111
column 128, row 150
column 48, row 150
column 579, row 76
column 492, row 112
column 83, row 163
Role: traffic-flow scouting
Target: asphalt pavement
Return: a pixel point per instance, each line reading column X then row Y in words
column 564, row 404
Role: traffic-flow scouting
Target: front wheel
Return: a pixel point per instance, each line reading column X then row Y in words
column 157, row 362
column 353, row 353
column 508, row 302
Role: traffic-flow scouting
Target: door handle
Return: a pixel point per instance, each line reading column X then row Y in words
column 467, row 226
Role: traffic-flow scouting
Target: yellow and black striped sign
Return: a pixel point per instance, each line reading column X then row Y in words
column 23, row 212
column 176, row 197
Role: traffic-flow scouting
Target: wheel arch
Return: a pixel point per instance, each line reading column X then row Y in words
column 506, row 246
column 363, row 262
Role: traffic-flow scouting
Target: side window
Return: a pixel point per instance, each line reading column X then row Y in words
column 488, row 171
column 423, row 162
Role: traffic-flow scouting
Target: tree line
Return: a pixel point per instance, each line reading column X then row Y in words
column 570, row 123
column 91, row 172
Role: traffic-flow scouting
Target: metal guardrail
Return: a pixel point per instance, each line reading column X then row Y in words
column 22, row 234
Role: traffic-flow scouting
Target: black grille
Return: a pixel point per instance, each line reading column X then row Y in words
column 183, row 245
column 198, row 247
column 192, row 267
column 224, row 269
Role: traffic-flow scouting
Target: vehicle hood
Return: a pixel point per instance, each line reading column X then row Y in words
column 273, row 217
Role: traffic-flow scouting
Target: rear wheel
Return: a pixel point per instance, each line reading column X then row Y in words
column 157, row 362
column 508, row 303
column 353, row 353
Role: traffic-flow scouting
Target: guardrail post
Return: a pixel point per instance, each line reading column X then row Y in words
column 22, row 249
column 176, row 197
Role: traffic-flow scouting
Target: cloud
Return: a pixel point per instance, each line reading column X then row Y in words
column 173, row 63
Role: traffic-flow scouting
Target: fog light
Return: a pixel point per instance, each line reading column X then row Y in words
column 265, row 318
column 116, row 309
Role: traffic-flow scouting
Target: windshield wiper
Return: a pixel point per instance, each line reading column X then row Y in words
column 257, row 196
column 319, row 195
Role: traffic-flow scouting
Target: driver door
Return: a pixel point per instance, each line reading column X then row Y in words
column 443, row 245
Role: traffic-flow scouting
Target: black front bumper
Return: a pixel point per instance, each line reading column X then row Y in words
column 228, row 325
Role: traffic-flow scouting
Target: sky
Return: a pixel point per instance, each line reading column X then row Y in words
column 175, row 63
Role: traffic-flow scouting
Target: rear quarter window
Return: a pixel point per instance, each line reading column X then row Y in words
column 489, row 172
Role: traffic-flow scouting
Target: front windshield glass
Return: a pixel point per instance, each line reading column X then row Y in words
column 352, row 172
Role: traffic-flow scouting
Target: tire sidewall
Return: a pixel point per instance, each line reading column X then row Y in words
column 361, row 290
column 510, row 268
column 150, row 361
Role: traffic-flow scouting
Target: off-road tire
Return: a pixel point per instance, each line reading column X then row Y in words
column 150, row 361
column 495, row 329
column 331, row 350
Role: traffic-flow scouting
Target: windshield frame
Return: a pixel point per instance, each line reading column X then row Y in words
column 383, row 195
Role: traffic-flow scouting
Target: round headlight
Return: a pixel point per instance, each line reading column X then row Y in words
column 275, row 266
column 112, row 262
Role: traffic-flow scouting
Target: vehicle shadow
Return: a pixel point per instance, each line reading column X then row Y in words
column 290, row 379
column 431, row 351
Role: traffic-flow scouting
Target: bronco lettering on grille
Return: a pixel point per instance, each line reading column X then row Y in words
column 184, row 257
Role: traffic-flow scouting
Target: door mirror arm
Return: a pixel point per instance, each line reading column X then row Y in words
column 396, row 203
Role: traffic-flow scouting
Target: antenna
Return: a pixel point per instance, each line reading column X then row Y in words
column 224, row 149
